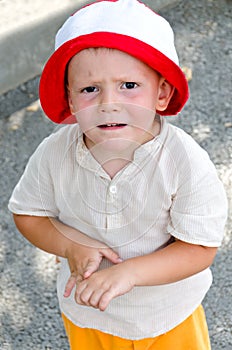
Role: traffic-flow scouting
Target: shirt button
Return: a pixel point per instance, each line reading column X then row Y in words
column 113, row 189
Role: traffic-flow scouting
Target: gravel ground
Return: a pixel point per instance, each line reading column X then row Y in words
column 28, row 305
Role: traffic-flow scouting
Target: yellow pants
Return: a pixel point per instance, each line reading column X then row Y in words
column 192, row 334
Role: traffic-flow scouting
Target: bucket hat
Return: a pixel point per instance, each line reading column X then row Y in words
column 126, row 25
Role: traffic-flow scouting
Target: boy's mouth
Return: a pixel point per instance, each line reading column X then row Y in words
column 112, row 125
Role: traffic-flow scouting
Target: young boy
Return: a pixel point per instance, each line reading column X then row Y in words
column 131, row 205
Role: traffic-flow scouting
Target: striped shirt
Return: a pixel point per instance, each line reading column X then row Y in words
column 170, row 190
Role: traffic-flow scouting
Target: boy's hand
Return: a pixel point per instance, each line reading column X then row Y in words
column 84, row 260
column 102, row 286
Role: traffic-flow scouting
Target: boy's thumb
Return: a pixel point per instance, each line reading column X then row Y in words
column 111, row 255
column 91, row 267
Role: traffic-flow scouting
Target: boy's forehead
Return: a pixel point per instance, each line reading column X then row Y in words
column 98, row 50
column 104, row 53
column 102, row 57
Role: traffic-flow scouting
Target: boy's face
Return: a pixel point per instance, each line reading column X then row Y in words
column 114, row 97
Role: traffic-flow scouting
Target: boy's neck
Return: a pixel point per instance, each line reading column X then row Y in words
column 112, row 167
column 113, row 161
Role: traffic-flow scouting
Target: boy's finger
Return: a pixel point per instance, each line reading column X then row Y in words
column 91, row 267
column 111, row 255
column 70, row 285
column 105, row 300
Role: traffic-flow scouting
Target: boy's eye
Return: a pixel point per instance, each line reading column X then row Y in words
column 89, row 89
column 129, row 85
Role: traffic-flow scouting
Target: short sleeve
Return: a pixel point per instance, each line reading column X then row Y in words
column 199, row 207
column 34, row 193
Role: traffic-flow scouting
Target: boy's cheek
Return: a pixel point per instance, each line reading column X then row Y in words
column 86, row 119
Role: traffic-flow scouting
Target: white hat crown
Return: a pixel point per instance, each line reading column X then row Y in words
column 127, row 17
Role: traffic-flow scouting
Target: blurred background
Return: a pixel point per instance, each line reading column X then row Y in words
column 29, row 313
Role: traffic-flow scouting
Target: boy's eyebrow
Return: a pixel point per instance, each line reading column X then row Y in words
column 91, row 80
column 125, row 77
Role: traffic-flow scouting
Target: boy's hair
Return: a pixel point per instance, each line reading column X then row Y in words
column 125, row 25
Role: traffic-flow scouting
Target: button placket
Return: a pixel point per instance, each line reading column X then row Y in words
column 112, row 203
column 113, row 189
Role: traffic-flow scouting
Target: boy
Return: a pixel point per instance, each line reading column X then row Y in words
column 131, row 205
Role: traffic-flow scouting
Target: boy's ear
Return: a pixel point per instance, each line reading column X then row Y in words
column 165, row 93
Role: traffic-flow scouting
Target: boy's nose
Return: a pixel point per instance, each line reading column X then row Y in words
column 109, row 102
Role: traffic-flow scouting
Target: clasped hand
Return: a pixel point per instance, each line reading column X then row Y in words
column 96, row 288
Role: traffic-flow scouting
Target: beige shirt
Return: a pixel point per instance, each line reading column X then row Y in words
column 171, row 189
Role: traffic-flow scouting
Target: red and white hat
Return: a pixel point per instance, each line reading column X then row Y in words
column 125, row 25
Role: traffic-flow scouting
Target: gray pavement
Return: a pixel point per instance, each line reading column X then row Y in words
column 27, row 31
column 29, row 311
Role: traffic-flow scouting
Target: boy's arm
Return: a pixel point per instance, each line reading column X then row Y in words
column 84, row 254
column 175, row 262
